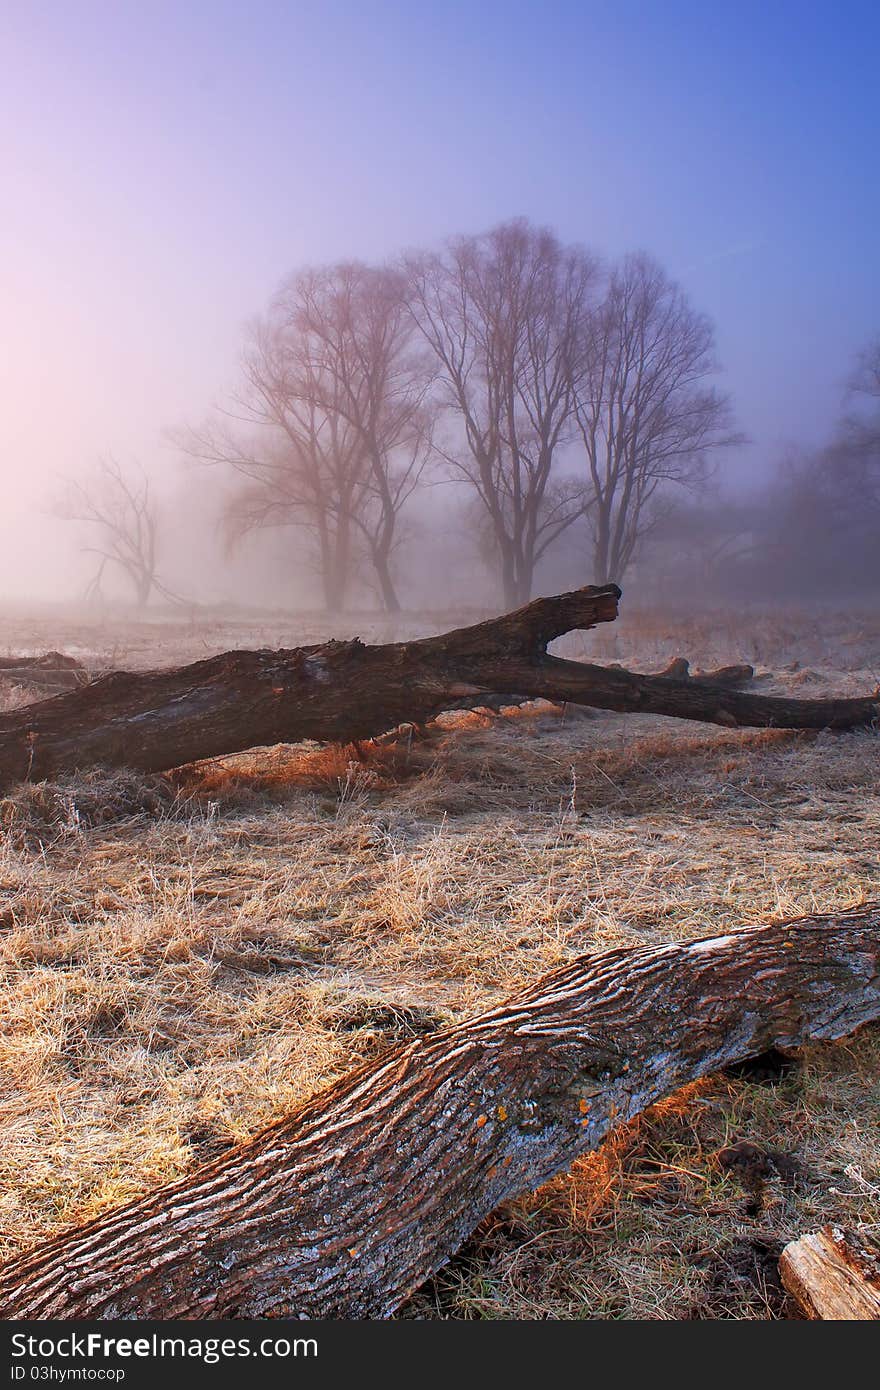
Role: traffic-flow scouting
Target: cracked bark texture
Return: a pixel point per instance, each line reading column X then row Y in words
column 345, row 1207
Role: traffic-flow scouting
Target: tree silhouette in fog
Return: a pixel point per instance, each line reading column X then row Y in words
column 122, row 521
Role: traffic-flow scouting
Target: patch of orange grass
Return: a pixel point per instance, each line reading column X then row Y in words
column 595, row 1182
column 337, row 769
column 681, row 1101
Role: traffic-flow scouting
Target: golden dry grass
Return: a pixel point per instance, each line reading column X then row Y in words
column 184, row 958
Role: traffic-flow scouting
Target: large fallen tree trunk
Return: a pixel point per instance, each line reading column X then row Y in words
column 346, row 691
column 344, row 1208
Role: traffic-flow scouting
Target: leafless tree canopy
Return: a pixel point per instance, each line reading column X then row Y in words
column 353, row 324
column 567, row 407
column 507, row 318
column 646, row 415
column 299, row 461
column 555, row 391
column 332, row 429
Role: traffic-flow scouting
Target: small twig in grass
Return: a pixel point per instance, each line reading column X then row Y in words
column 725, row 786
column 673, row 1168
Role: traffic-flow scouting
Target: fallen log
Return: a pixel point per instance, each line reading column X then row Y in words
column 831, row 1275
column 345, row 692
column 346, row 1206
column 54, row 671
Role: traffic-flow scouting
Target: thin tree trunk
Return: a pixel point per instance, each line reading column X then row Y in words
column 344, row 691
column 600, row 547
column 390, row 601
column 333, row 584
column 525, row 571
column 327, row 564
column 345, row 1207
column 509, row 586
column 341, row 559
column 144, row 587
column 330, row 586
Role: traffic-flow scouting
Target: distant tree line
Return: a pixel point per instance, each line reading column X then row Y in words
column 565, row 406
column 811, row 530
column 551, row 388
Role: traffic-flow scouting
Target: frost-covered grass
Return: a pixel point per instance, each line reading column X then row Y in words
column 187, row 957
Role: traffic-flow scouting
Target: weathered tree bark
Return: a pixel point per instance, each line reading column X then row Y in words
column 678, row 669
column 830, row 1275
column 346, row 1206
column 346, row 692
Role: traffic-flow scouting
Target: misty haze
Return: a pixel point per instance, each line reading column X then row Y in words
column 440, row 663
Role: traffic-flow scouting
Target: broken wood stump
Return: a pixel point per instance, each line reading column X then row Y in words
column 679, row 669
column 832, row 1275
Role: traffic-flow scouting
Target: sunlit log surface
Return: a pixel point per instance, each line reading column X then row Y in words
column 347, row 1205
column 831, row 1275
column 339, row 692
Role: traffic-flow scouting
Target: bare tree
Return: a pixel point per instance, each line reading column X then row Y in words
column 302, row 465
column 122, row 518
column 506, row 317
column 354, row 323
column 339, row 424
column 645, row 415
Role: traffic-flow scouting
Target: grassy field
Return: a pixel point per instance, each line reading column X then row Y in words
column 187, row 957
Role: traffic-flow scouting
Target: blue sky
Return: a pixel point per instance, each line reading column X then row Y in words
column 164, row 166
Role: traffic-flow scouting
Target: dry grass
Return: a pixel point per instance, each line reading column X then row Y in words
column 184, row 958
